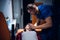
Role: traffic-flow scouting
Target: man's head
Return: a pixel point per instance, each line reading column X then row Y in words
column 32, row 8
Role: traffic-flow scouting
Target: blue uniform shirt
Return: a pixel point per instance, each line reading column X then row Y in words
column 44, row 12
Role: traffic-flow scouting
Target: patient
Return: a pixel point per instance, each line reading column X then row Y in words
column 27, row 28
column 29, row 34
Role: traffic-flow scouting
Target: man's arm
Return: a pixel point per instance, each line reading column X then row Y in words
column 48, row 24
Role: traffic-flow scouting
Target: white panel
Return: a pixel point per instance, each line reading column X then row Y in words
column 17, row 12
column 6, row 8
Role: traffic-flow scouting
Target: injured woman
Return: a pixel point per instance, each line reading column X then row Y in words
column 28, row 33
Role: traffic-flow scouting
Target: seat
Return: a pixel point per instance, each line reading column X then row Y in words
column 4, row 32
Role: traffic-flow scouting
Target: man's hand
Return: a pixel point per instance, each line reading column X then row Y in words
column 32, row 26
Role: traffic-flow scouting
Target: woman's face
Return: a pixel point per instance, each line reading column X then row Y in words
column 27, row 27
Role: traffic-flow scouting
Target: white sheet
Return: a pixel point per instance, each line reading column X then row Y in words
column 29, row 35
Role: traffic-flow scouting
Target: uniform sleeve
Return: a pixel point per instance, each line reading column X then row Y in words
column 46, row 13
